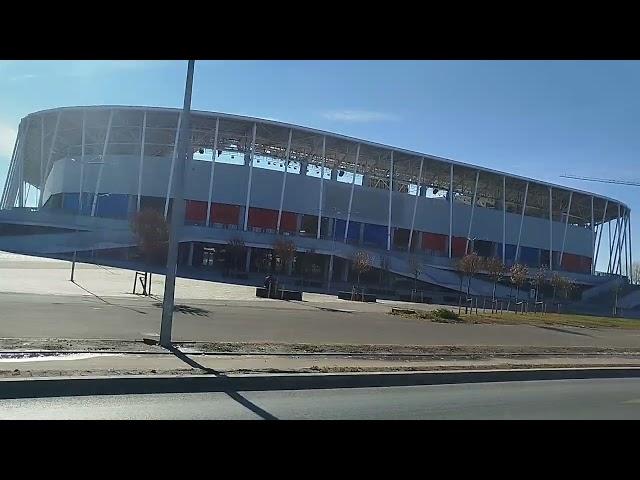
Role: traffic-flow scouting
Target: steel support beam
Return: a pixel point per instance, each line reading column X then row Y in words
column 566, row 226
column 53, row 144
column 504, row 219
column 42, row 159
column 613, row 252
column 353, row 184
column 5, row 190
column 390, row 202
column 593, row 238
column 141, row 166
column 173, row 164
column 213, row 168
column 632, row 274
column 550, row 228
column 104, row 153
column 415, row 205
column 524, row 207
column 251, row 154
column 320, row 200
column 450, row 207
column 604, row 215
column 473, row 207
column 284, row 178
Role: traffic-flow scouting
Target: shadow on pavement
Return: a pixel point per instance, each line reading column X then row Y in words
column 234, row 395
column 562, row 330
column 106, row 301
column 201, row 312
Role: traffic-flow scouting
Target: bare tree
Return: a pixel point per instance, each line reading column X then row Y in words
column 152, row 234
column 384, row 269
column 416, row 266
column 540, row 279
column 635, row 272
column 557, row 282
column 495, row 268
column 286, row 250
column 361, row 263
column 470, row 265
column 235, row 251
column 519, row 275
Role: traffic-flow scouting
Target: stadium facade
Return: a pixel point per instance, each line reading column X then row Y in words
column 90, row 168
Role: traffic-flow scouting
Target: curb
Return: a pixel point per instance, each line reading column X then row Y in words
column 129, row 385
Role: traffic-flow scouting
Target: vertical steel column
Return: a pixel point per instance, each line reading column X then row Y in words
column 284, row 178
column 104, row 153
column 618, row 262
column 473, row 206
column 53, row 143
column 450, row 206
column 604, row 214
column 550, row 228
column 213, row 166
column 324, row 152
column 82, row 154
column 593, row 238
column 173, row 163
column 42, row 159
column 415, row 204
column 390, row 201
column 566, row 226
column 144, row 134
column 23, row 147
column 5, row 190
column 524, row 206
column 353, row 184
column 246, row 207
column 632, row 275
column 613, row 250
column 504, row 219
column 610, row 247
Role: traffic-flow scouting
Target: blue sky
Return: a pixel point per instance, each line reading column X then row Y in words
column 534, row 118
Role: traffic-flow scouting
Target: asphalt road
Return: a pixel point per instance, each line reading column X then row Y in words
column 557, row 399
column 30, row 315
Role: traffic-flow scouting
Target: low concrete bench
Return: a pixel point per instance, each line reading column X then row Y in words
column 367, row 297
column 279, row 294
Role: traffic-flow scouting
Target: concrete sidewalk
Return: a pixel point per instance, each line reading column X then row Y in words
column 182, row 362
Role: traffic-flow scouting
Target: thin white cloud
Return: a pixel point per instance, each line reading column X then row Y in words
column 88, row 68
column 359, row 116
column 24, row 76
column 7, row 139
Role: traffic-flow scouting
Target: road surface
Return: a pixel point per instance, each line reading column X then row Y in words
column 557, row 399
column 262, row 320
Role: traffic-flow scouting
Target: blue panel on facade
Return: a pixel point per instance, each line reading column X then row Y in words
column 510, row 252
column 112, row 206
column 70, row 202
column 354, row 230
column 529, row 256
column 375, row 235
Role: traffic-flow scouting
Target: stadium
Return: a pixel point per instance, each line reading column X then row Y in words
column 78, row 174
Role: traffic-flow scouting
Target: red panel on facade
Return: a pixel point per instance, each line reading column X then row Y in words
column 585, row 264
column 263, row 218
column 223, row 213
column 288, row 221
column 571, row 262
column 458, row 246
column 196, row 211
column 434, row 241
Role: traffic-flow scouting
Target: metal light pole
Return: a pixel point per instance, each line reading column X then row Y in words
column 177, row 213
column 75, row 250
